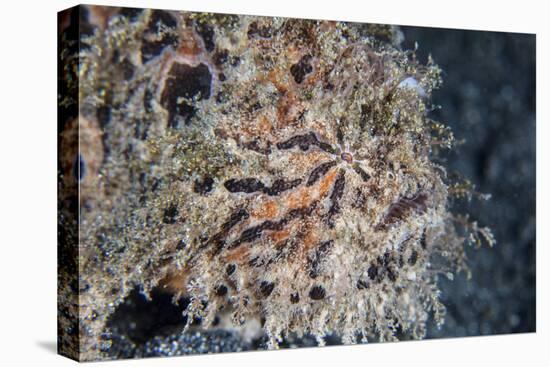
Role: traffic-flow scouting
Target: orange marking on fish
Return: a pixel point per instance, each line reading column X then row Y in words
column 310, row 240
column 238, row 255
column 175, row 282
column 189, row 44
column 278, row 236
column 299, row 199
column 267, row 210
column 274, row 78
column 264, row 125
column 326, row 183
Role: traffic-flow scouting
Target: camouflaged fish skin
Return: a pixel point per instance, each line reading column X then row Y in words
column 278, row 169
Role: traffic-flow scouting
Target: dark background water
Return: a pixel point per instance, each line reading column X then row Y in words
column 488, row 99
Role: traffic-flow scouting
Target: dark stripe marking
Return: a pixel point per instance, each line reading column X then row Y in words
column 335, row 196
column 398, row 210
column 304, row 142
column 361, row 172
column 319, row 172
column 251, row 185
column 218, row 239
column 281, row 185
column 315, row 260
column 247, row 185
column 252, row 233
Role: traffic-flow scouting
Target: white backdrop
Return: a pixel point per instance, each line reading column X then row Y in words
column 28, row 181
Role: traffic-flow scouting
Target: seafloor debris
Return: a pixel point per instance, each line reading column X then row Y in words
column 276, row 169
